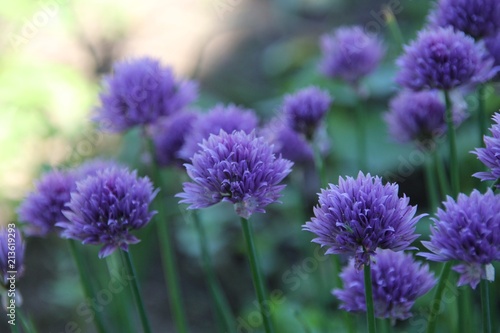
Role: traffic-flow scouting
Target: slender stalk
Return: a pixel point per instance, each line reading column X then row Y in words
column 361, row 130
column 26, row 322
column 114, row 262
column 454, row 167
column 224, row 313
column 481, row 114
column 167, row 250
column 370, row 311
column 319, row 165
column 445, row 272
column 14, row 328
column 465, row 312
column 485, row 306
column 85, row 282
column 136, row 292
column 170, row 271
column 392, row 24
column 256, row 275
column 443, row 183
column 432, row 190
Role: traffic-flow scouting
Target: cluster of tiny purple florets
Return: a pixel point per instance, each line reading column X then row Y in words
column 361, row 214
column 239, row 168
column 397, row 281
column 467, row 230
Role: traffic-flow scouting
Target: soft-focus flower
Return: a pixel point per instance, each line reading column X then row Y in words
column 228, row 118
column 350, row 54
column 42, row 208
column 467, row 230
column 305, row 110
column 419, row 116
column 105, row 207
column 285, row 141
column 477, row 18
column 443, row 59
column 139, row 92
column 360, row 215
column 397, row 281
column 239, row 168
column 9, row 249
column 169, row 135
column 490, row 155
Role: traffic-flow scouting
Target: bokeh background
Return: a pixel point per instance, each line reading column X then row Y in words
column 53, row 54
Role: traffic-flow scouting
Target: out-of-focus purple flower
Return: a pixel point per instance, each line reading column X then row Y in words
column 350, row 54
column 285, row 141
column 493, row 47
column 490, row 155
column 42, row 208
column 228, row 118
column 239, row 168
column 11, row 245
column 169, row 135
column 360, row 215
column 139, row 92
column 105, row 207
column 397, row 281
column 305, row 110
column 467, row 230
column 477, row 18
column 443, row 59
column 419, row 116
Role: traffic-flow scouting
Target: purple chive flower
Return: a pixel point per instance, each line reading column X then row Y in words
column 350, row 54
column 467, row 230
column 360, row 215
column 42, row 208
column 397, row 281
column 7, row 247
column 443, row 59
column 285, row 141
column 477, row 18
column 305, row 110
column 139, row 92
column 419, row 116
column 239, row 168
column 490, row 155
column 106, row 207
column 222, row 117
column 169, row 135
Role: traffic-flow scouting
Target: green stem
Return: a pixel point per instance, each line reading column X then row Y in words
column 319, row 165
column 224, row 313
column 481, row 114
column 392, row 24
column 445, row 272
column 443, row 183
column 26, row 322
column 485, row 306
column 454, row 168
column 169, row 267
column 432, row 190
column 361, row 130
column 85, row 282
column 136, row 292
column 383, row 325
column 167, row 251
column 370, row 311
column 464, row 318
column 121, row 305
column 256, row 275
